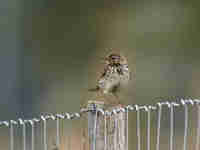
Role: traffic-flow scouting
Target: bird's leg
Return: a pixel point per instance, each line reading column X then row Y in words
column 100, row 96
column 116, row 98
column 115, row 92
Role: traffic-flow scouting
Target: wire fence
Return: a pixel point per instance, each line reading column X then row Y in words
column 140, row 127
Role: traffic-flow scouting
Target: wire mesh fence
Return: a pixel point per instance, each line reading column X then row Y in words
column 167, row 125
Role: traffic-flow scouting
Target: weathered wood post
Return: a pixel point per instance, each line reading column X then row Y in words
column 108, row 131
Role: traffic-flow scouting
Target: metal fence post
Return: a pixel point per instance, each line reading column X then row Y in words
column 108, row 131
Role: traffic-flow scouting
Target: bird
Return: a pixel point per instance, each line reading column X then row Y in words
column 115, row 75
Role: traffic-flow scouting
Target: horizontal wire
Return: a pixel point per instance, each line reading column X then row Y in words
column 123, row 109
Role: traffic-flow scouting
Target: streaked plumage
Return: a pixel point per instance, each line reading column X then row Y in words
column 115, row 75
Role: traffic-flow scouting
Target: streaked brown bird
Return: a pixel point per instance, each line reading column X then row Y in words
column 115, row 75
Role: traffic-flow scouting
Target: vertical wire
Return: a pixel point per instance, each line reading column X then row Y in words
column 32, row 136
column 120, row 135
column 127, row 129
column 105, row 132
column 11, row 137
column 57, row 133
column 138, row 129
column 171, row 126
column 110, row 133
column 85, row 137
column 148, row 129
column 95, row 129
column 45, row 134
column 24, row 136
column 158, row 127
column 198, row 128
column 115, row 132
column 42, row 136
column 186, row 127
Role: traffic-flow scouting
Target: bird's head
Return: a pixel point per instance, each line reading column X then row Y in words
column 115, row 59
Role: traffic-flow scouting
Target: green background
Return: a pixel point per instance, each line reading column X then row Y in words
column 50, row 54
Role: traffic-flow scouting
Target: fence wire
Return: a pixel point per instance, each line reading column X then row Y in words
column 158, row 108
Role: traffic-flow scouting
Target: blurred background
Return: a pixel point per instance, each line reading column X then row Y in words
column 50, row 52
